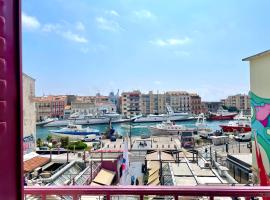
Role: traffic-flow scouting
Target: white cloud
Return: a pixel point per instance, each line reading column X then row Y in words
column 74, row 37
column 108, row 25
column 62, row 31
column 52, row 27
column 30, row 22
column 80, row 26
column 171, row 42
column 113, row 13
column 144, row 14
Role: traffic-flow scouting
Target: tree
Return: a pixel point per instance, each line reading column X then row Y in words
column 39, row 142
column 64, row 142
column 49, row 138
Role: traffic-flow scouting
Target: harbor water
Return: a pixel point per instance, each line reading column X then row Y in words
column 124, row 128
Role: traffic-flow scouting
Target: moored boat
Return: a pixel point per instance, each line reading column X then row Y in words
column 167, row 128
column 170, row 115
column 243, row 117
column 75, row 131
column 222, row 115
column 236, row 126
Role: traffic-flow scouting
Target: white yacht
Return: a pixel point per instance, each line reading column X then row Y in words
column 167, row 128
column 75, row 131
column 89, row 119
column 242, row 117
column 171, row 115
column 46, row 121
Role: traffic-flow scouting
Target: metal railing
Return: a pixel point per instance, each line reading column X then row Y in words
column 76, row 192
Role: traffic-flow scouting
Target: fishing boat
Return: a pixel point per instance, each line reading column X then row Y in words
column 167, row 128
column 236, row 126
column 75, row 131
column 222, row 115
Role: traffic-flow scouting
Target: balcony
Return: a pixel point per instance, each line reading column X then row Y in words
column 142, row 192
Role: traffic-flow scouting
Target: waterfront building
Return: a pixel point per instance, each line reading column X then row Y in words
column 211, row 106
column 29, row 115
column 239, row 101
column 153, row 103
column 179, row 101
column 260, row 104
column 50, row 107
column 131, row 104
column 195, row 104
column 84, row 105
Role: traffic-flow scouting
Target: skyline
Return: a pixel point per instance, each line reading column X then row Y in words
column 84, row 48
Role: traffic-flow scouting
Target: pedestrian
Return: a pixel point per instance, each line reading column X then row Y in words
column 137, row 181
column 132, row 180
column 121, row 171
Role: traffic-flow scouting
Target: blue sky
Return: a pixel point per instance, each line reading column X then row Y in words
column 84, row 47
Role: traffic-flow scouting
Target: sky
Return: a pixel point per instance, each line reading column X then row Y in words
column 83, row 47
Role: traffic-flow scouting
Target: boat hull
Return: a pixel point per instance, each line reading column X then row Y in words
column 240, row 129
column 161, row 119
column 221, row 117
column 85, row 122
column 157, row 132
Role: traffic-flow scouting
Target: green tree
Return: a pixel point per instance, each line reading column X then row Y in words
column 64, row 142
column 39, row 142
column 49, row 138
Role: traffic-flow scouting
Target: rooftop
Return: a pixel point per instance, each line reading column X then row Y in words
column 33, row 163
column 264, row 53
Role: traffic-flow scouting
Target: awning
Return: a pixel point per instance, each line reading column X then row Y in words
column 155, row 182
column 153, row 164
column 153, row 177
column 104, row 177
column 33, row 163
column 153, row 170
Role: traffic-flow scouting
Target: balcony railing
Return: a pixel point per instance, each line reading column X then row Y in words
column 76, row 192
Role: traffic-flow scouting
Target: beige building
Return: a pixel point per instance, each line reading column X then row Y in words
column 92, row 105
column 260, row 107
column 240, row 101
column 29, row 114
column 153, row 103
column 131, row 103
column 50, row 107
column 179, row 101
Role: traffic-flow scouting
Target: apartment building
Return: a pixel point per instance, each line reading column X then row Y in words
column 131, row 103
column 240, row 101
column 94, row 105
column 153, row 103
column 211, row 106
column 50, row 107
column 179, row 101
column 84, row 105
column 195, row 104
column 29, row 115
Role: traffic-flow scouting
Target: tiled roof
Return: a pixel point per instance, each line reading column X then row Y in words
column 34, row 163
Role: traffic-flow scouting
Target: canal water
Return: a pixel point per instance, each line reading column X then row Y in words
column 123, row 129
